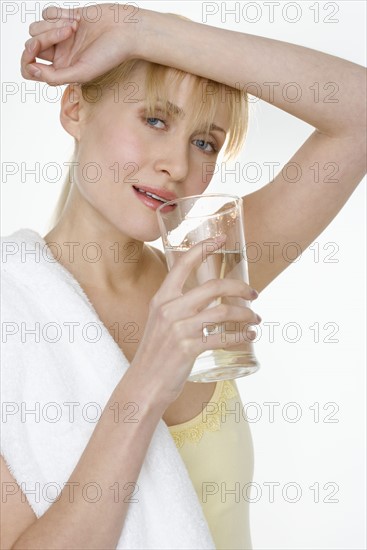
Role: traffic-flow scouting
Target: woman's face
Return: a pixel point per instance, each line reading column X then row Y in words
column 120, row 148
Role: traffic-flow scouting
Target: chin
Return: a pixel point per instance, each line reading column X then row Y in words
column 140, row 233
column 147, row 236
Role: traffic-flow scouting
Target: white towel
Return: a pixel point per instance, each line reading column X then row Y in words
column 43, row 448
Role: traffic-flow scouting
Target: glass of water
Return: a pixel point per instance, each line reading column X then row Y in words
column 185, row 222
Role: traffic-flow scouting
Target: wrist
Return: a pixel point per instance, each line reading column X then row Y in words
column 142, row 389
column 145, row 43
column 163, row 38
column 125, row 24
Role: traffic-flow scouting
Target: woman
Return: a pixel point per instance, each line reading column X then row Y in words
column 171, row 157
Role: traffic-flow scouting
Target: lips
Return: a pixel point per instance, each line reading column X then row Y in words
column 154, row 203
column 157, row 193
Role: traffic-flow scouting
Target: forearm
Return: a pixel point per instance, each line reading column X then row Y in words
column 112, row 461
column 327, row 92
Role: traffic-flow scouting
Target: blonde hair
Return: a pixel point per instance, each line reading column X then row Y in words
column 207, row 94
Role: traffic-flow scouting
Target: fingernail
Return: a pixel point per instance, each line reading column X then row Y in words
column 33, row 70
column 258, row 318
column 254, row 294
column 31, row 46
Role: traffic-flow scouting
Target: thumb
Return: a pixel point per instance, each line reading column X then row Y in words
column 55, row 77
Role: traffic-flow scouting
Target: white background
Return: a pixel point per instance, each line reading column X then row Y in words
column 318, row 288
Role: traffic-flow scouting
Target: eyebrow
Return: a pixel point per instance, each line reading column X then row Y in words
column 177, row 111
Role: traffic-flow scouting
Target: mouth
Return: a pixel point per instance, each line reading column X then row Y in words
column 152, row 195
column 154, row 201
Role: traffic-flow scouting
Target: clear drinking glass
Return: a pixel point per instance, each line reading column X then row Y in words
column 185, row 222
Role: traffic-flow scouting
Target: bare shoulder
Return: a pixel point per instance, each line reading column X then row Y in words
column 16, row 514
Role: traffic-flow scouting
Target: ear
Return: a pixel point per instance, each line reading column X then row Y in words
column 73, row 110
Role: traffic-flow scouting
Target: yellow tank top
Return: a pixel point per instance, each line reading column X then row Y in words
column 216, row 447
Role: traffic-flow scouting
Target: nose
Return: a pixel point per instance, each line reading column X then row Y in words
column 173, row 158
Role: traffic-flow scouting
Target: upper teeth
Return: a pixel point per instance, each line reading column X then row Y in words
column 153, row 196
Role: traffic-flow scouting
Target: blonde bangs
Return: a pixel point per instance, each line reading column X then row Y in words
column 206, row 95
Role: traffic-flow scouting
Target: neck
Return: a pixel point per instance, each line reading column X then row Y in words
column 95, row 252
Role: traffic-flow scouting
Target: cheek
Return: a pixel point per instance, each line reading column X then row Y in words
column 204, row 172
column 112, row 155
column 208, row 169
column 116, row 156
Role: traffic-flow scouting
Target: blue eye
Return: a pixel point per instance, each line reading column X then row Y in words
column 202, row 144
column 153, row 121
column 207, row 147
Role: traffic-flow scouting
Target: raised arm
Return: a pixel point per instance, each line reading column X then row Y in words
column 294, row 206
column 233, row 58
column 298, row 204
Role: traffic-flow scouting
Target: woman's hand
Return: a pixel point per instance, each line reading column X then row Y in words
column 173, row 334
column 80, row 43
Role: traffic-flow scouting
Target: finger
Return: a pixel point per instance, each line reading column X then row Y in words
column 227, row 326
column 224, row 313
column 235, row 338
column 39, row 27
column 201, row 296
column 181, row 269
column 42, row 43
column 56, row 13
column 185, row 264
column 58, row 77
column 28, row 56
column 47, row 39
column 47, row 55
column 55, row 77
column 232, row 325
